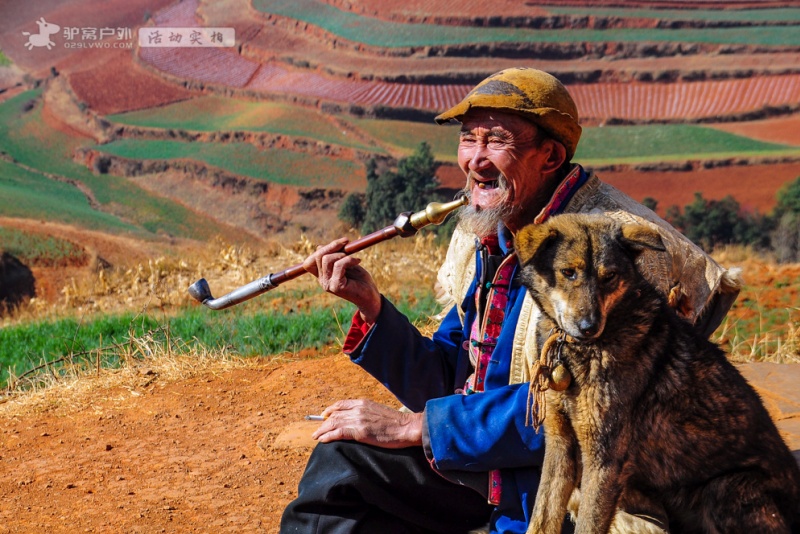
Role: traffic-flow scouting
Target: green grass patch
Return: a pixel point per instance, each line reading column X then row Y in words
column 763, row 318
column 275, row 165
column 666, row 142
column 759, row 336
column 42, row 250
column 212, row 113
column 407, row 135
column 598, row 145
column 26, row 137
column 242, row 330
column 4, row 60
column 709, row 15
column 31, row 195
column 375, row 32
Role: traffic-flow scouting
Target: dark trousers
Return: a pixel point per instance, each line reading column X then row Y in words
column 349, row 487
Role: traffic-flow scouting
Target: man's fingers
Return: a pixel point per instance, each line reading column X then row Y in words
column 340, row 405
column 340, row 269
column 338, row 434
column 313, row 263
column 331, row 278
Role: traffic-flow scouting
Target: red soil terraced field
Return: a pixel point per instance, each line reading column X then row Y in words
column 753, row 186
column 785, row 130
column 597, row 102
column 118, row 84
column 689, row 100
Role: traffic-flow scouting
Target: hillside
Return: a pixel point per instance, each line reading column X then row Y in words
column 264, row 139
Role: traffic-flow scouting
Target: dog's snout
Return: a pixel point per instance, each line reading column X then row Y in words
column 588, row 327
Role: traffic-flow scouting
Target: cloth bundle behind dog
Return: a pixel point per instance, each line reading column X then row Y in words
column 656, row 418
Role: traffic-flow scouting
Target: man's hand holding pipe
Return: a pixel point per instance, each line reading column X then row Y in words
column 343, row 276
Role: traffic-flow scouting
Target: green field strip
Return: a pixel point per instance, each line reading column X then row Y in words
column 669, row 142
column 380, row 33
column 793, row 153
column 785, row 15
column 127, row 207
column 213, row 113
column 274, row 165
column 31, row 195
column 598, row 145
column 39, row 249
column 405, row 136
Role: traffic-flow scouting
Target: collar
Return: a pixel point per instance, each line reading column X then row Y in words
column 501, row 243
column 563, row 194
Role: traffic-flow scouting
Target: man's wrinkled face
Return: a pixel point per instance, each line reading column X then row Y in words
column 502, row 157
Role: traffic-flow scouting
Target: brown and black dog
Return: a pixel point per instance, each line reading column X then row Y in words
column 655, row 418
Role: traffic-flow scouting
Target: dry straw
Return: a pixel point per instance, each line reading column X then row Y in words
column 399, row 267
column 72, row 382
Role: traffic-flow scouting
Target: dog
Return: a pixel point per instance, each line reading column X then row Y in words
column 655, row 420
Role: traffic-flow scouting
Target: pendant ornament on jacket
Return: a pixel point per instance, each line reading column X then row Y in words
column 548, row 372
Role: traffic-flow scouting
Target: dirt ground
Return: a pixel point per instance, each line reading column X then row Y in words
column 219, row 451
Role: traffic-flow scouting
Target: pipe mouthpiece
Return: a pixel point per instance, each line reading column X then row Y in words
column 436, row 212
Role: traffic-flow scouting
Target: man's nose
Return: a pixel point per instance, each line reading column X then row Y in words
column 478, row 161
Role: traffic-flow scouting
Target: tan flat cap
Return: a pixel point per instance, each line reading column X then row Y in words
column 531, row 93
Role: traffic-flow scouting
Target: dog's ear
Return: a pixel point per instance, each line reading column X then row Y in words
column 529, row 240
column 638, row 237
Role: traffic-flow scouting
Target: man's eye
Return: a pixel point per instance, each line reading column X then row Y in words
column 569, row 274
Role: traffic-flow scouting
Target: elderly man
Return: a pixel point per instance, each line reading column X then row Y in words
column 462, row 456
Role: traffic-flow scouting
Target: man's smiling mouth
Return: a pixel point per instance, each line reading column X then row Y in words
column 491, row 184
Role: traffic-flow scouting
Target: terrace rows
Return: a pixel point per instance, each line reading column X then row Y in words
column 598, row 102
column 225, row 67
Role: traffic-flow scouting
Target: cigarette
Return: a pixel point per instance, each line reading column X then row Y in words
column 315, row 418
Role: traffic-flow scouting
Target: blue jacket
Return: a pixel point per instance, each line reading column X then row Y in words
column 478, row 432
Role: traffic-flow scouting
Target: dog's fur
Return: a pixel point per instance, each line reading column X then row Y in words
column 656, row 419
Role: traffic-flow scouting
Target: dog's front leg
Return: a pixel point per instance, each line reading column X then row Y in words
column 601, row 487
column 559, row 473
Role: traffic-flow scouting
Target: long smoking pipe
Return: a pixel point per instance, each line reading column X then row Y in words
column 405, row 225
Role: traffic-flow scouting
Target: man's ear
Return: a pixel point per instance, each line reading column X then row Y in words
column 556, row 156
column 638, row 237
column 531, row 239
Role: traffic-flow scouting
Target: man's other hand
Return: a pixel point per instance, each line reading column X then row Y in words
column 371, row 423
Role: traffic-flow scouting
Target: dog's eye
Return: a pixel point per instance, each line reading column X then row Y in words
column 569, row 274
column 607, row 278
